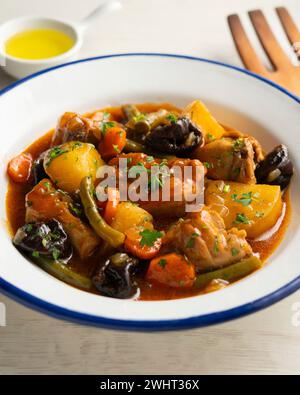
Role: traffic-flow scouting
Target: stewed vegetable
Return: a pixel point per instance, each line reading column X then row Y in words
column 78, row 160
column 106, row 232
column 148, row 202
column 38, row 170
column 115, row 277
column 44, row 239
column 276, row 169
column 45, row 202
column 180, row 137
column 19, row 168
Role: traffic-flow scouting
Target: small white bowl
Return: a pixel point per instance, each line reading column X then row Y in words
column 236, row 97
column 20, row 68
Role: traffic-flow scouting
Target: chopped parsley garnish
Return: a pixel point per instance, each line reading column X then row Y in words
column 162, row 263
column 47, row 185
column 54, row 153
column 139, row 118
column 137, row 169
column 226, row 188
column 210, row 137
column 238, row 144
column 259, row 214
column 216, row 246
column 191, row 241
column 156, row 181
column 208, row 165
column 106, row 125
column 235, row 252
column 76, row 144
column 242, row 219
column 150, row 159
column 106, row 115
column 55, row 253
column 245, row 199
column 149, row 237
column 76, row 210
column 35, row 254
column 172, row 118
column 45, row 243
column 28, row 228
column 116, row 148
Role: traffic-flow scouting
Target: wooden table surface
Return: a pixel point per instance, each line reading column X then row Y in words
column 267, row 342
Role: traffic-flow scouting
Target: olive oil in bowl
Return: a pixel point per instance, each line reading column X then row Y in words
column 38, row 44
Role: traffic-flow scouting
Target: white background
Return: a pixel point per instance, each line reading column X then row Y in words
column 266, row 342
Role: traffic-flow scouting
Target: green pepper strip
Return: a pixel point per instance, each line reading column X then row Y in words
column 230, row 273
column 61, row 271
column 106, row 232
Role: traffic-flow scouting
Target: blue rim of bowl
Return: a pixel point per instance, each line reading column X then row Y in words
column 161, row 325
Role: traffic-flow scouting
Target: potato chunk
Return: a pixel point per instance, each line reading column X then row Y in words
column 129, row 215
column 254, row 208
column 200, row 115
column 69, row 163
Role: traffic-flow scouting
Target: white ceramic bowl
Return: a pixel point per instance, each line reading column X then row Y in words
column 238, row 98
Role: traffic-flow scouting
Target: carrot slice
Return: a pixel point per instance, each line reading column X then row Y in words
column 113, row 142
column 172, row 270
column 144, row 248
column 19, row 168
column 111, row 205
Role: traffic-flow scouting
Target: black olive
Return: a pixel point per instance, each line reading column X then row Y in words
column 179, row 137
column 115, row 277
column 276, row 169
column 38, row 170
column 45, row 239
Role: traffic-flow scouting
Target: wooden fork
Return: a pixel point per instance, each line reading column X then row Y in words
column 284, row 72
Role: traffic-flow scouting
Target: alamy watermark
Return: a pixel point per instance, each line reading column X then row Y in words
column 182, row 181
column 2, row 315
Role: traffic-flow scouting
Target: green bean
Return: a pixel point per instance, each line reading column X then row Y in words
column 150, row 121
column 64, row 273
column 133, row 146
column 103, row 230
column 131, row 111
column 136, row 120
column 157, row 118
column 230, row 273
column 143, row 123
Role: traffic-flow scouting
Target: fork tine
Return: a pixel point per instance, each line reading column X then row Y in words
column 244, row 47
column 289, row 25
column 270, row 44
